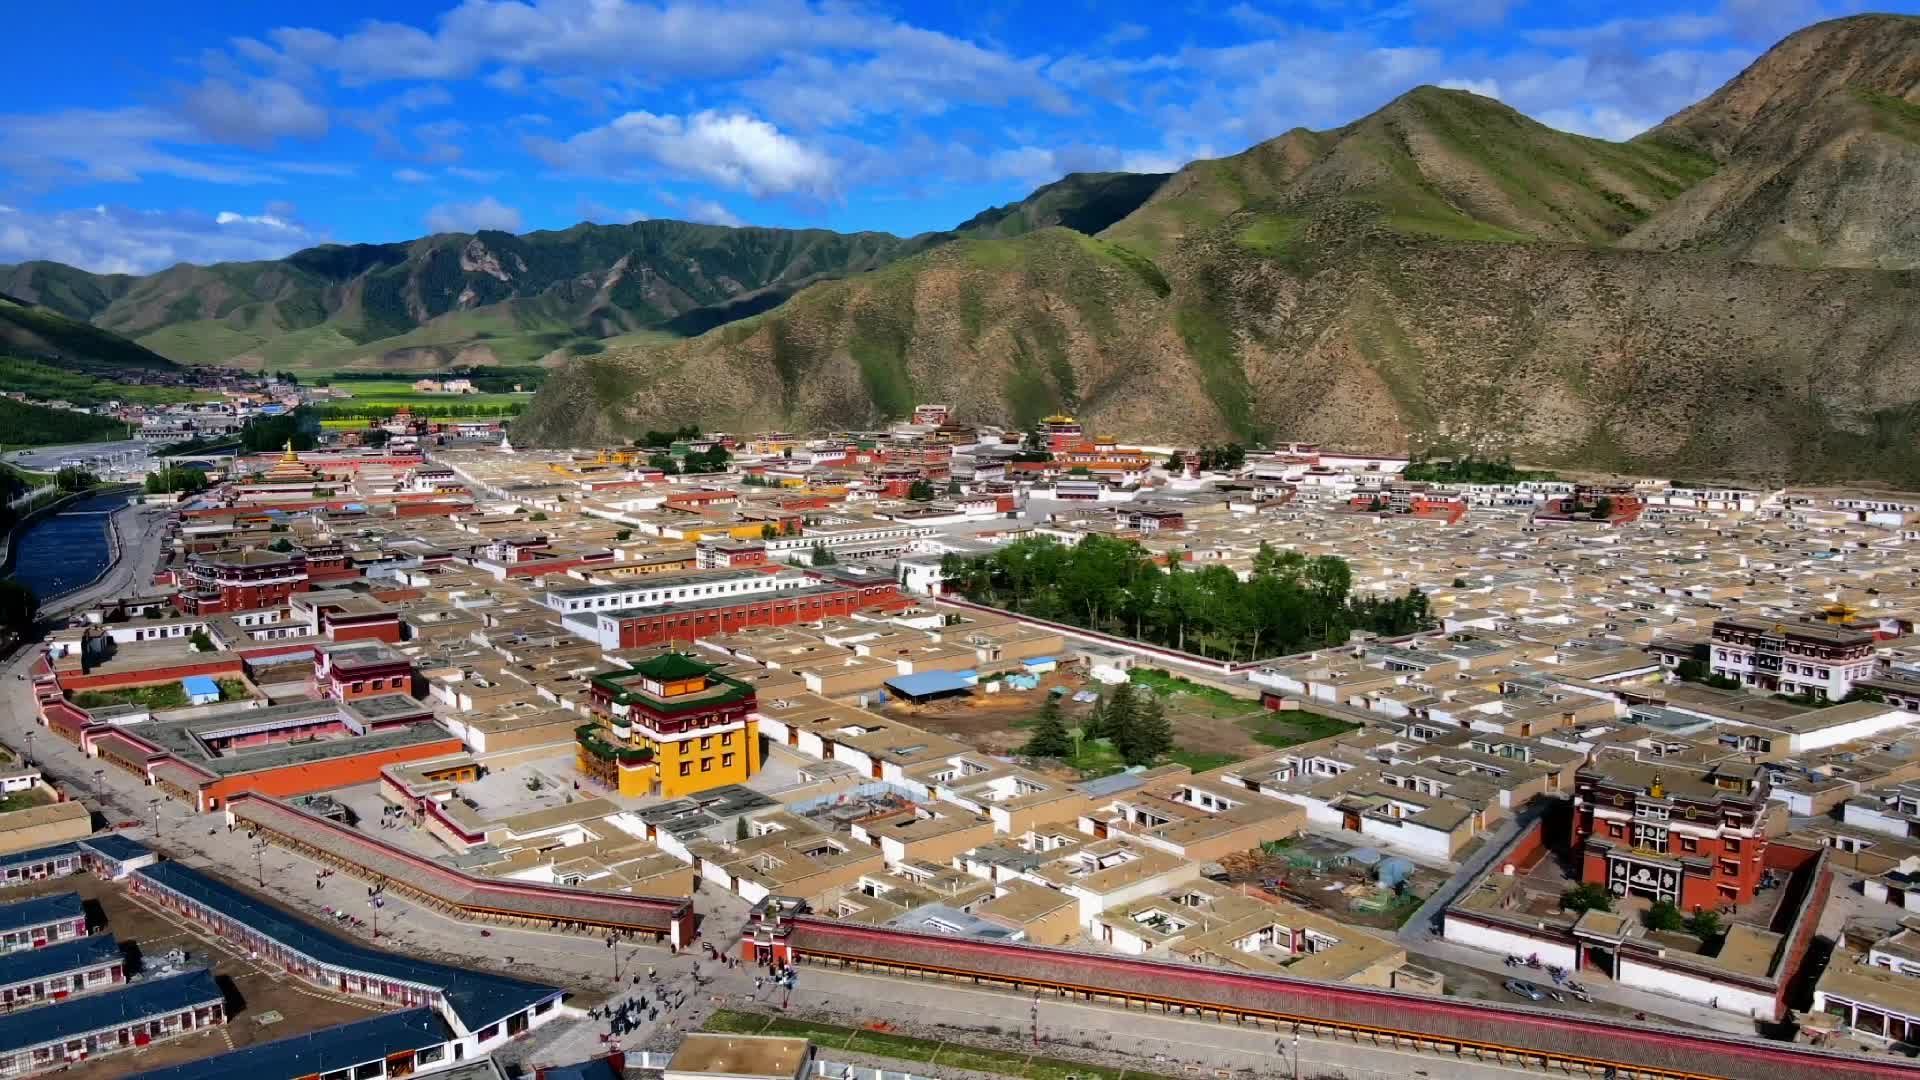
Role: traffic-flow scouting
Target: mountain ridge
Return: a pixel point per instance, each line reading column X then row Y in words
column 1443, row 274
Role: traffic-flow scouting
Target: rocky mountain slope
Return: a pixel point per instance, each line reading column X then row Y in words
column 1444, row 274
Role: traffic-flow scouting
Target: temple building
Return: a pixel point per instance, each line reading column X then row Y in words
column 671, row 727
column 1691, row 837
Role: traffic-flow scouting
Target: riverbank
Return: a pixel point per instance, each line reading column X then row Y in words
column 69, row 544
column 19, row 527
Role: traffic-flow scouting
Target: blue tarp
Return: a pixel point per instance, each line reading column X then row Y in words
column 1393, row 870
column 928, row 683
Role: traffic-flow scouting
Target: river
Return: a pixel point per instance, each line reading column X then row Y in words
column 62, row 552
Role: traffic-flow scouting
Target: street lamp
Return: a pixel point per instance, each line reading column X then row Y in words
column 154, row 805
column 1280, row 1047
column 29, row 746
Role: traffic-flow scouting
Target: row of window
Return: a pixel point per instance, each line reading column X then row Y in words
column 706, row 764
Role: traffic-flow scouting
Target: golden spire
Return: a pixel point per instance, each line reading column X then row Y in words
column 290, row 457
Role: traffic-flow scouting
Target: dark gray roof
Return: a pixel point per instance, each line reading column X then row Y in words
column 478, row 998
column 77, row 1016
column 40, row 910
column 316, row 1052
column 57, row 959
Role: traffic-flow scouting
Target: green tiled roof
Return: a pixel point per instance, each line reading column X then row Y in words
column 672, row 667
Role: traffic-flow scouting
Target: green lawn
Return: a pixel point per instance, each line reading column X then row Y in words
column 167, row 695
column 1283, row 729
column 22, row 800
column 1202, row 761
column 401, row 392
column 49, row 383
column 831, row 1037
column 1217, row 703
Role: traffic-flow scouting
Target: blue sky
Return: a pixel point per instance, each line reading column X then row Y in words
column 135, row 138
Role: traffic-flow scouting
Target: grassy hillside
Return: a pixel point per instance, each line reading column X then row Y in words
column 31, row 425
column 39, row 333
column 1443, row 273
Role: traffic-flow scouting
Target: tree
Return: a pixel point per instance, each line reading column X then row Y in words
column 1176, row 462
column 920, row 491
column 1705, row 925
column 281, row 545
column 1603, row 509
column 72, row 479
column 822, row 555
column 1121, row 717
column 1149, row 736
column 1094, row 725
column 623, row 535
column 664, row 462
column 1050, row 737
column 1586, row 897
column 953, row 489
column 740, row 827
column 1459, row 583
column 200, row 641
column 1663, row 915
column 768, row 531
column 18, row 607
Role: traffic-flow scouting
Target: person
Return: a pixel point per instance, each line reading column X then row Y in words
column 756, row 984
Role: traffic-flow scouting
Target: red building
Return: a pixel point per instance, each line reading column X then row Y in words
column 363, row 669
column 243, row 580
column 728, row 554
column 1667, row 832
column 687, row 620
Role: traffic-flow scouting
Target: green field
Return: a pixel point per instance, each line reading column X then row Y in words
column 831, row 1037
column 49, row 383
column 1284, row 729
column 397, row 392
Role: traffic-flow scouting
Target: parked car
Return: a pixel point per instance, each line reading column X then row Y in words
column 1526, row 990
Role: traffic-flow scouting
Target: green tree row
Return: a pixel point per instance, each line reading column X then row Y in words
column 1290, row 602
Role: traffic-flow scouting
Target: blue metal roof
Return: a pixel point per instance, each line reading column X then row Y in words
column 40, row 910
column 116, row 847
column 597, row 1069
column 96, row 1012
column 39, row 855
column 327, row 1050
column 929, row 682
column 478, row 998
column 196, row 685
column 84, row 952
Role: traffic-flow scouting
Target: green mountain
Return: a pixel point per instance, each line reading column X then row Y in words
column 1444, row 274
column 31, row 332
column 492, row 297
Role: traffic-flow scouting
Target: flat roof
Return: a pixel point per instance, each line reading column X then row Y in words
column 740, row 1055
column 929, row 682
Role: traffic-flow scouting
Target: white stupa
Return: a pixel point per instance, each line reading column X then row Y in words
column 506, row 445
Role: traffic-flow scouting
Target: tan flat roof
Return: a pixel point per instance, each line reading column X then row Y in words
column 712, row 1054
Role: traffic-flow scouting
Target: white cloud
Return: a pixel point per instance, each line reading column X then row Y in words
column 486, row 213
column 477, row 176
column 1484, row 87
column 732, row 149
column 600, row 213
column 120, row 240
column 411, row 176
column 110, row 145
column 253, row 112
column 703, row 210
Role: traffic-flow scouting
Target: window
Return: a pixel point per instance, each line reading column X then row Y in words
column 726, row 761
column 706, row 764
column 706, row 742
column 686, row 768
column 1729, row 867
column 1730, row 845
column 726, row 738
column 1688, row 843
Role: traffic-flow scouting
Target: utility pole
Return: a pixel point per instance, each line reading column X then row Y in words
column 29, row 746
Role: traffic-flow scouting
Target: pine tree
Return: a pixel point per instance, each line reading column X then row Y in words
column 1151, row 734
column 1123, row 713
column 1049, row 738
column 1095, row 725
